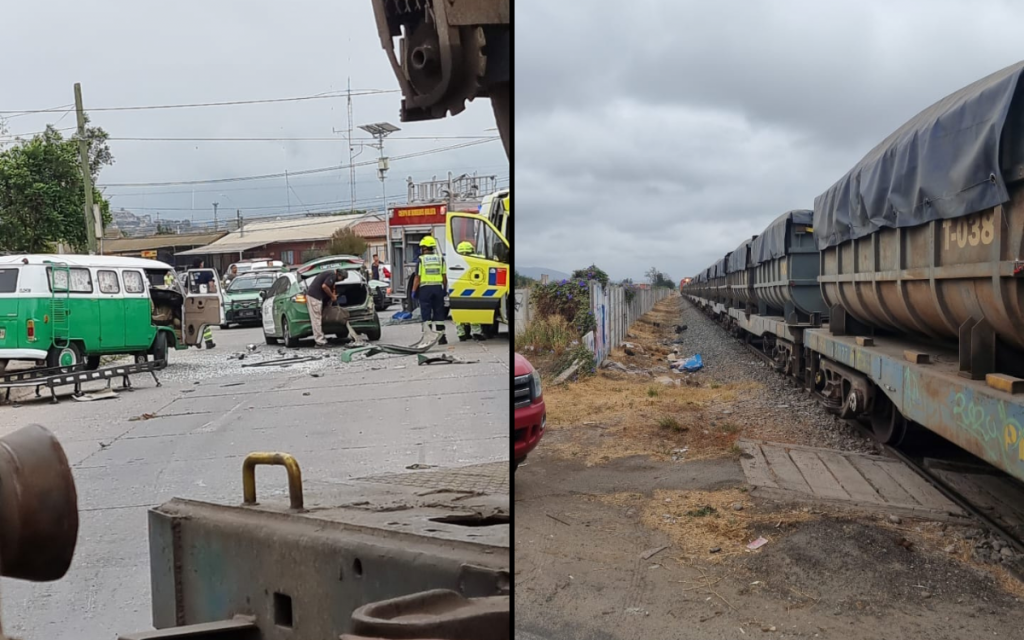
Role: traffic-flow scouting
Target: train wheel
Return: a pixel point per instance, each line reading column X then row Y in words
column 887, row 424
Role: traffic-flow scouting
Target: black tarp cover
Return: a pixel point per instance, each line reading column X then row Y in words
column 738, row 258
column 718, row 271
column 944, row 163
column 774, row 240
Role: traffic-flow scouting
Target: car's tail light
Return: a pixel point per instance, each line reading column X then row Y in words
column 299, row 298
column 31, row 328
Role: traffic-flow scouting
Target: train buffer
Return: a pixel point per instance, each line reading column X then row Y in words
column 76, row 376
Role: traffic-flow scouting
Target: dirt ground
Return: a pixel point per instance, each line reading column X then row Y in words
column 633, row 519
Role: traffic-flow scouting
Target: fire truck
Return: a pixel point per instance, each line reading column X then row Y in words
column 406, row 226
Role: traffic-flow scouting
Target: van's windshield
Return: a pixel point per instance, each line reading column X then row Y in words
column 8, row 280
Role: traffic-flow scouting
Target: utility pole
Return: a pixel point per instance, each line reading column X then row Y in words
column 241, row 229
column 215, row 227
column 83, row 152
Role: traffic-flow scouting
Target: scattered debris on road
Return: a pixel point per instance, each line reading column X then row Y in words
column 442, row 359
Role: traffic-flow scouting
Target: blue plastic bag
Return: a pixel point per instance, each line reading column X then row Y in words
column 696, row 363
column 402, row 315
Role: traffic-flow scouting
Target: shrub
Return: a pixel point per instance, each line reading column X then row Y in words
column 550, row 334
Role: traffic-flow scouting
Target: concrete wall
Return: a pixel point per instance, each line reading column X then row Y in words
column 614, row 316
column 523, row 312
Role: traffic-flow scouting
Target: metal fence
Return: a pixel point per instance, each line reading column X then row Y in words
column 614, row 316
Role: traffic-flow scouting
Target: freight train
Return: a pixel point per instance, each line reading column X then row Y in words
column 899, row 299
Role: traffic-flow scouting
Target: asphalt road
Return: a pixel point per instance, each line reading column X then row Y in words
column 341, row 421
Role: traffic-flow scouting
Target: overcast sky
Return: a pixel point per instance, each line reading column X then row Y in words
column 664, row 133
column 128, row 53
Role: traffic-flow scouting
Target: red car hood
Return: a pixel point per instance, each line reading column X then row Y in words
column 523, row 366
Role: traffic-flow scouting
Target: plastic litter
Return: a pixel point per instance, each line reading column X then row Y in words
column 757, row 544
column 695, row 363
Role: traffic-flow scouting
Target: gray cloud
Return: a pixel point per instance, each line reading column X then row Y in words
column 139, row 53
column 665, row 133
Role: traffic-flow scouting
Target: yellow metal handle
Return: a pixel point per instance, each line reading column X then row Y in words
column 275, row 459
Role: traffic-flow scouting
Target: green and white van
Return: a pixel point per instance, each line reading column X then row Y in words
column 65, row 310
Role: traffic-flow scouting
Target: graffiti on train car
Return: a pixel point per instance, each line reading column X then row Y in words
column 989, row 422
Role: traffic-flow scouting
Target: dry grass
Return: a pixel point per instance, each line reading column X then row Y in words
column 615, row 415
column 633, row 422
column 698, row 521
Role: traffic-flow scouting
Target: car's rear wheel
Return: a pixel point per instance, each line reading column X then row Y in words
column 68, row 356
column 290, row 341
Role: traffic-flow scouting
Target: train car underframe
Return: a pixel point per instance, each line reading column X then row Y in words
column 896, row 384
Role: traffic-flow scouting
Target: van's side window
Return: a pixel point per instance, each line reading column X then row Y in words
column 81, row 280
column 108, row 282
column 133, row 282
column 8, row 280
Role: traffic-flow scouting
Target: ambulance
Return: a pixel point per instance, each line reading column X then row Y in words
column 478, row 282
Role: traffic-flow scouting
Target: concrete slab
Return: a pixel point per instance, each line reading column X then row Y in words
column 875, row 483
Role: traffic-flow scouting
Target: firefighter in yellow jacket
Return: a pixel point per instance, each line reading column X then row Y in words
column 467, row 331
column 429, row 287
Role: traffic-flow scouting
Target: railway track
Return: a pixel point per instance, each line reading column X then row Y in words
column 989, row 495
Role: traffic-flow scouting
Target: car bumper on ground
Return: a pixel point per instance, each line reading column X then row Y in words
column 359, row 319
column 529, row 428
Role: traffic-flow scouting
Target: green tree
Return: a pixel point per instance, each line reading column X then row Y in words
column 346, row 242
column 42, row 197
column 523, row 281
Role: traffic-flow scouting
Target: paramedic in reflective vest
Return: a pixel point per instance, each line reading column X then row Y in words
column 466, row 330
column 429, row 287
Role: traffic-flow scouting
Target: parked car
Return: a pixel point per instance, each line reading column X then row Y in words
column 242, row 302
column 530, row 415
column 380, row 289
column 257, row 264
column 285, row 317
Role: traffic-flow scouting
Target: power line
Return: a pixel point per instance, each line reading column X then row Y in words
column 296, row 173
column 335, row 139
column 321, row 96
column 19, row 114
column 308, row 185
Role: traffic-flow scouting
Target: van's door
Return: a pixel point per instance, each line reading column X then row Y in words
column 202, row 304
column 138, row 311
column 112, row 309
column 9, row 325
column 478, row 281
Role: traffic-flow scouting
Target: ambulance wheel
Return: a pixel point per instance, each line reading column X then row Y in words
column 68, row 356
column 491, row 330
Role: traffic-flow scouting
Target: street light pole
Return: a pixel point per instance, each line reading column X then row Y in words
column 215, row 226
column 380, row 131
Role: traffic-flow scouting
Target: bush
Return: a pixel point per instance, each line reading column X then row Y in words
column 590, row 273
column 577, row 352
column 551, row 334
column 569, row 300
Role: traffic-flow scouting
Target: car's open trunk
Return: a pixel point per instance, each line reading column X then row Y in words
column 351, row 294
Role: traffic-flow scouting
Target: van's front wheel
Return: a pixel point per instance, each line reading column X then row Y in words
column 64, row 357
column 159, row 348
